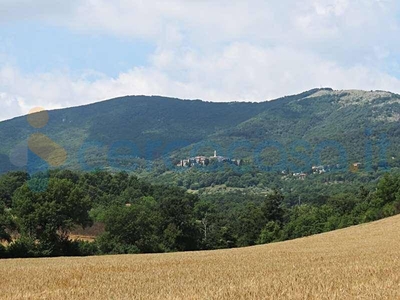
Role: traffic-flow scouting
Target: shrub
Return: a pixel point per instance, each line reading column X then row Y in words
column 22, row 248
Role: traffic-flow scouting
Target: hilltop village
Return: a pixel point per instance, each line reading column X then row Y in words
column 202, row 160
column 206, row 160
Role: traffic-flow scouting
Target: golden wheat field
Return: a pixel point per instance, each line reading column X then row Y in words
column 361, row 262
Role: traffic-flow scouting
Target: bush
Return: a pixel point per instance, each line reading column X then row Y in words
column 22, row 248
column 270, row 233
column 87, row 248
column 106, row 244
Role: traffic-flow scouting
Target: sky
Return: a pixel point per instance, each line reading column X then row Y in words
column 56, row 54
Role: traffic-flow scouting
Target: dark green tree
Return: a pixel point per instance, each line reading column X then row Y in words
column 248, row 225
column 178, row 227
column 272, row 206
column 270, row 233
column 48, row 216
column 5, row 224
column 135, row 225
column 9, row 183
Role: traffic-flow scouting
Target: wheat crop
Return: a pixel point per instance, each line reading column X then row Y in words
column 360, row 262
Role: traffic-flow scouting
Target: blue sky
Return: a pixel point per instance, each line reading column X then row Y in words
column 64, row 53
column 35, row 47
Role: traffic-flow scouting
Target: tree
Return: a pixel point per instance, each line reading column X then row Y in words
column 386, row 201
column 388, row 188
column 5, row 222
column 272, row 207
column 343, row 203
column 270, row 233
column 9, row 183
column 306, row 220
column 249, row 224
column 177, row 213
column 135, row 225
column 207, row 221
column 48, row 216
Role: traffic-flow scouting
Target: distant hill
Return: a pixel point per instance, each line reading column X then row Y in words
column 325, row 119
column 150, row 127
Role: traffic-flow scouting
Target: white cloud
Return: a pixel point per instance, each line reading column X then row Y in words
column 215, row 50
column 10, row 106
column 240, row 71
column 204, row 21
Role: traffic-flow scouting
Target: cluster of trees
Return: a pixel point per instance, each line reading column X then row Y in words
column 263, row 219
column 38, row 213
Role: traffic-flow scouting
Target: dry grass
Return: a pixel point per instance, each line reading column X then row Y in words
column 361, row 262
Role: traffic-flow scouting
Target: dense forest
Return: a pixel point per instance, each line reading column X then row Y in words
column 316, row 127
column 38, row 213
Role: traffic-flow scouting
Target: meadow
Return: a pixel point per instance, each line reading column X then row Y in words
column 360, row 262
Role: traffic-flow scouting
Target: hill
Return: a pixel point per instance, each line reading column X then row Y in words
column 144, row 121
column 360, row 262
column 152, row 127
column 331, row 120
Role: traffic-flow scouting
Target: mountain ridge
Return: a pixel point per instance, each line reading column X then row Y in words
column 175, row 124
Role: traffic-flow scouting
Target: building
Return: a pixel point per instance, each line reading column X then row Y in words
column 318, row 169
column 205, row 160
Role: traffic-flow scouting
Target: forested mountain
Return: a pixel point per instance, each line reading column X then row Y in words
column 323, row 119
column 152, row 127
column 141, row 120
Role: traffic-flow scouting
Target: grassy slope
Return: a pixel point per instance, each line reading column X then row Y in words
column 361, row 262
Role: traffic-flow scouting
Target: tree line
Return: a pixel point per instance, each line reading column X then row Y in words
column 38, row 213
